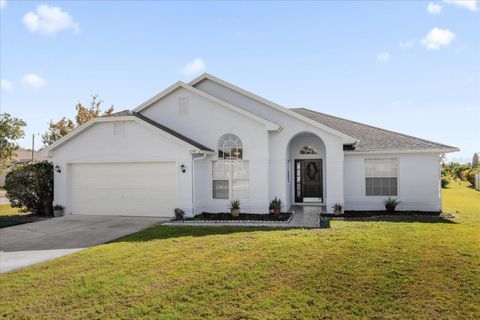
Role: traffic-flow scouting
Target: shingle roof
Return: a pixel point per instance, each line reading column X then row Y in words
column 174, row 133
column 371, row 138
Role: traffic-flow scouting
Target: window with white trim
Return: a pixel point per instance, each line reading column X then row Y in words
column 230, row 147
column 308, row 150
column 230, row 174
column 381, row 177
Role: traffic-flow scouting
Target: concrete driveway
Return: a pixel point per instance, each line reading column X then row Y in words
column 31, row 243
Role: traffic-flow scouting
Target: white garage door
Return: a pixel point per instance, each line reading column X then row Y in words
column 132, row 189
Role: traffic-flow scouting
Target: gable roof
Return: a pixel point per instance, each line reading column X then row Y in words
column 371, row 138
column 347, row 139
column 127, row 115
column 268, row 124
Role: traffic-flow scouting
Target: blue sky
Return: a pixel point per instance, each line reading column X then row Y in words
column 412, row 67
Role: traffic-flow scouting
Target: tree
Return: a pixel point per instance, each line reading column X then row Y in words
column 56, row 130
column 64, row 126
column 85, row 114
column 30, row 187
column 11, row 129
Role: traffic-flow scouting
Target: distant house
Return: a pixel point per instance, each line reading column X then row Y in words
column 21, row 156
column 476, row 160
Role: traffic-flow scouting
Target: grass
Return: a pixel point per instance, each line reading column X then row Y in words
column 355, row 269
column 7, row 210
column 12, row 216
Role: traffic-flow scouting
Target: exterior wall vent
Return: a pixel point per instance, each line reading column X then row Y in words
column 183, row 106
column 119, row 128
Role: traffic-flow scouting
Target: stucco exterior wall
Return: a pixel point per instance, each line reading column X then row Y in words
column 418, row 182
column 206, row 122
column 99, row 144
column 278, row 145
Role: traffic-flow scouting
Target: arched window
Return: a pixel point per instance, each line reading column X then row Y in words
column 308, row 150
column 230, row 173
column 230, row 147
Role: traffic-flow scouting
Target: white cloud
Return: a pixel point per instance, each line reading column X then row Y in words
column 467, row 4
column 194, row 67
column 407, row 44
column 383, row 57
column 437, row 38
column 3, row 3
column 33, row 81
column 6, row 85
column 433, row 8
column 49, row 20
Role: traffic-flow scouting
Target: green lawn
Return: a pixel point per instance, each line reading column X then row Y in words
column 6, row 210
column 369, row 270
column 11, row 216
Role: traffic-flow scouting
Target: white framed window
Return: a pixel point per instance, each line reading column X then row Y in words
column 230, row 147
column 230, row 173
column 381, row 177
column 308, row 150
column 230, row 179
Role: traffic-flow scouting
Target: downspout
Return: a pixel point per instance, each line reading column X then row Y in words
column 204, row 155
column 440, row 160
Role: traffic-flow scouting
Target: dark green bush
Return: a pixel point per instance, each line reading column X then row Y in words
column 30, row 187
column 445, row 181
column 391, row 204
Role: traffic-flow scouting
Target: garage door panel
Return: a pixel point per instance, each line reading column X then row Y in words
column 143, row 189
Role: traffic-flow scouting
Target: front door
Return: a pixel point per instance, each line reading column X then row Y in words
column 308, row 180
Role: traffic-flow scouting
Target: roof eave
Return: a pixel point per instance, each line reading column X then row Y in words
column 389, row 151
column 345, row 138
column 47, row 151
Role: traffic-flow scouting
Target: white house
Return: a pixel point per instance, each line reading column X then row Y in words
column 198, row 145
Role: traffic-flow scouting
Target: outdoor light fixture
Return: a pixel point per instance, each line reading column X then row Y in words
column 57, row 169
column 182, row 167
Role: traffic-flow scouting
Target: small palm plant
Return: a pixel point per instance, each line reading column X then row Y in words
column 390, row 204
column 337, row 208
column 235, row 208
column 275, row 206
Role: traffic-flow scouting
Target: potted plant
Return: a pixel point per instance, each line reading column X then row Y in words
column 179, row 214
column 275, row 206
column 391, row 204
column 235, row 208
column 271, row 210
column 337, row 209
column 57, row 210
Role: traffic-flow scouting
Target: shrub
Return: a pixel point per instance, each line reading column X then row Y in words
column 445, row 181
column 275, row 203
column 275, row 206
column 179, row 214
column 337, row 208
column 30, row 187
column 391, row 204
column 234, row 204
column 471, row 176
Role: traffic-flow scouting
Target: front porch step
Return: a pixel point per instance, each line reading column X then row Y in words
column 309, row 209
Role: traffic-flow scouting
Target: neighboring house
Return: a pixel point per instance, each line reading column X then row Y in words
column 198, row 145
column 20, row 156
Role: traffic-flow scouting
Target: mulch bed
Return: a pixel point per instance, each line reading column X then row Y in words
column 366, row 214
column 225, row 216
